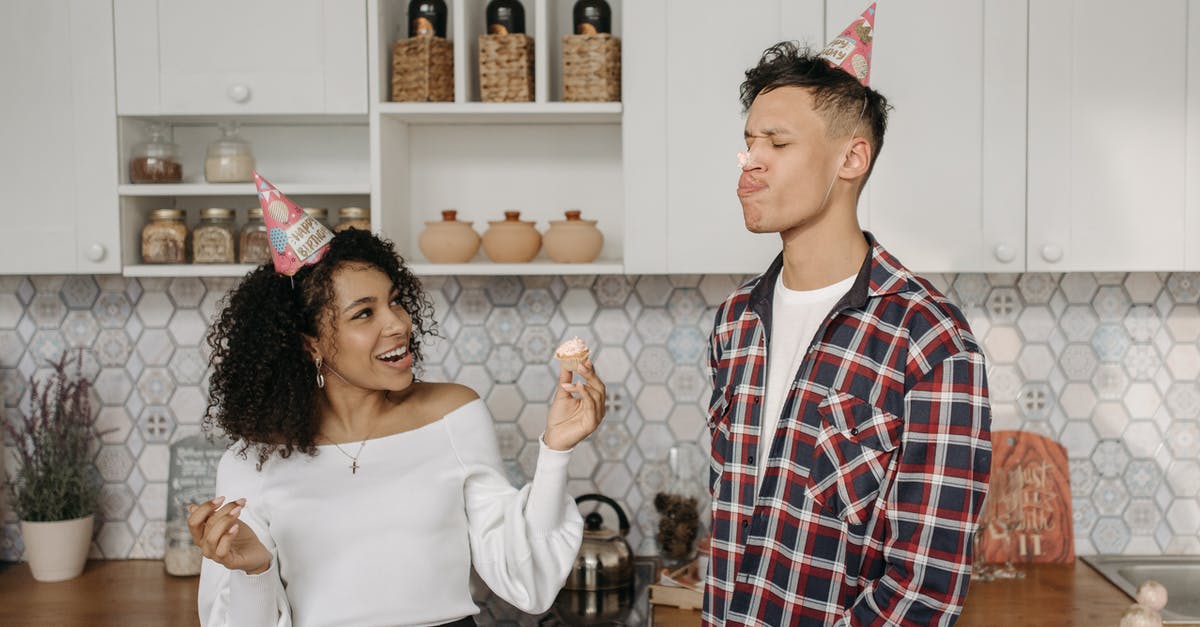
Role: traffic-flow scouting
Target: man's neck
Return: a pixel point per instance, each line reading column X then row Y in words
column 821, row 254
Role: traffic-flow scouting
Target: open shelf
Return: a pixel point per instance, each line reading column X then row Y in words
column 188, row 270
column 503, row 112
column 242, row 189
column 535, row 267
column 546, row 21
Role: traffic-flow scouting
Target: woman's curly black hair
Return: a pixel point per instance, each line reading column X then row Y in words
column 263, row 386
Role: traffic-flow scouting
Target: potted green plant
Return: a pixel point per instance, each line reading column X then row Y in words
column 55, row 489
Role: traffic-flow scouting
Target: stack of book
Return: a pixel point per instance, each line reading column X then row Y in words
column 682, row 587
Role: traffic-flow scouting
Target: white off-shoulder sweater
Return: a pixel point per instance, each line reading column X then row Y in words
column 393, row 544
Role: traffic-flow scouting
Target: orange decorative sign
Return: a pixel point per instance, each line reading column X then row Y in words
column 1027, row 515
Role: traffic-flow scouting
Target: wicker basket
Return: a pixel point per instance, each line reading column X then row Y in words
column 423, row 70
column 591, row 68
column 506, row 68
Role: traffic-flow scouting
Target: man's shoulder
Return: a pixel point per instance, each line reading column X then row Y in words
column 738, row 300
column 934, row 323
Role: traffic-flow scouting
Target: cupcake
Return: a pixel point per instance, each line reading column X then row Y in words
column 571, row 353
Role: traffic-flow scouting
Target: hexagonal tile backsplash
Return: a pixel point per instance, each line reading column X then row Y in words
column 1106, row 363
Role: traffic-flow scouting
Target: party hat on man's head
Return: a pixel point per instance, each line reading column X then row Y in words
column 851, row 50
column 297, row 239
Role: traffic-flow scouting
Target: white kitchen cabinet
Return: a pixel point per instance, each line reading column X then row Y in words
column 948, row 193
column 1192, row 173
column 1112, row 119
column 233, row 57
column 482, row 158
column 704, row 52
column 59, row 160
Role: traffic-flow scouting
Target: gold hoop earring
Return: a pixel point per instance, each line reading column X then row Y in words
column 320, row 377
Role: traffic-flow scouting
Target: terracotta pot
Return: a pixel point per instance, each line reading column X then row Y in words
column 511, row 240
column 449, row 240
column 57, row 551
column 573, row 240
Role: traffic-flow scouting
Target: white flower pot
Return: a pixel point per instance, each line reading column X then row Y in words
column 57, row 551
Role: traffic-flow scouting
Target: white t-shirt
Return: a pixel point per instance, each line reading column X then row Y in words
column 795, row 318
column 394, row 543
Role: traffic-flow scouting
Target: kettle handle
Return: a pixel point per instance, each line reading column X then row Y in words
column 622, row 519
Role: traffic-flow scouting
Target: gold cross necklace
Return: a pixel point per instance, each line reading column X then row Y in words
column 353, row 458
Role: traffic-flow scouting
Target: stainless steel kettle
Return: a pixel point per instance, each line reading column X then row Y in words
column 605, row 560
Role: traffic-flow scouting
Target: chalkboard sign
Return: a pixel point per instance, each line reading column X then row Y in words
column 193, row 474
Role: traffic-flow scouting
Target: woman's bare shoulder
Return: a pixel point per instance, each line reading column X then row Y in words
column 436, row 400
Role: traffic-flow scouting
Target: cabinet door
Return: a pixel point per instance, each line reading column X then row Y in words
column 711, row 44
column 1192, row 175
column 230, row 56
column 1108, row 113
column 948, row 192
column 59, row 161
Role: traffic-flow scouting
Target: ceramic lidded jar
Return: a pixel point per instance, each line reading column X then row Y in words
column 449, row 240
column 573, row 240
column 511, row 240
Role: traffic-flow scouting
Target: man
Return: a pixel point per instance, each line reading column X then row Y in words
column 849, row 417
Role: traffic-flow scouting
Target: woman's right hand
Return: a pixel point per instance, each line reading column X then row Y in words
column 224, row 539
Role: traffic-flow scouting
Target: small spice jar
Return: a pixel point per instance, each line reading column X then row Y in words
column 511, row 240
column 164, row 238
column 212, row 239
column 320, row 214
column 254, row 245
column 573, row 240
column 229, row 159
column 353, row 218
column 156, row 160
column 449, row 240
column 182, row 557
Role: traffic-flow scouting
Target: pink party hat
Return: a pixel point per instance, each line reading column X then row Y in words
column 297, row 239
column 851, row 50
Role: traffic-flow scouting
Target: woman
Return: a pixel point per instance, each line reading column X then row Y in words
column 371, row 494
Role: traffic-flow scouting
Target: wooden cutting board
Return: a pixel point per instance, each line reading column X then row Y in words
column 1027, row 515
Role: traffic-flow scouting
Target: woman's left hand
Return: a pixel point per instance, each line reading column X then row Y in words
column 572, row 418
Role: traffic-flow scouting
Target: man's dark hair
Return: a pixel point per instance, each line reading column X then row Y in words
column 837, row 96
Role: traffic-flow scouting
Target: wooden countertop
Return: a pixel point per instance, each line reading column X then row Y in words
column 108, row 593
column 1050, row 594
column 139, row 592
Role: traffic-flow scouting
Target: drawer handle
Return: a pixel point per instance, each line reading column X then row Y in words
column 1052, row 253
column 1004, row 253
column 96, row 252
column 239, row 92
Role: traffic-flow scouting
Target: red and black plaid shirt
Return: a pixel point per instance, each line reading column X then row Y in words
column 877, row 471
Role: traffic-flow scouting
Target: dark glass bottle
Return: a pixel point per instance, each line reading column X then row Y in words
column 427, row 18
column 505, row 17
column 592, row 17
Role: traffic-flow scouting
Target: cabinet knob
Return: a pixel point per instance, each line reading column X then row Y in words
column 1004, row 253
column 239, row 92
column 95, row 252
column 1052, row 253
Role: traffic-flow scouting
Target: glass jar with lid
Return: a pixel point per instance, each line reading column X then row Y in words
column 353, row 218
column 254, row 245
column 320, row 214
column 156, row 160
column 229, row 158
column 212, row 239
column 181, row 556
column 164, row 238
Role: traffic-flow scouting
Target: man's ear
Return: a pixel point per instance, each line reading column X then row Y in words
column 858, row 159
